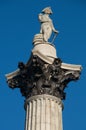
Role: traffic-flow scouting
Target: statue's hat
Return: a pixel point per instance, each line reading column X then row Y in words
column 47, row 10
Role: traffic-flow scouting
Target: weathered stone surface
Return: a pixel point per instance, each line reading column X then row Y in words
column 43, row 112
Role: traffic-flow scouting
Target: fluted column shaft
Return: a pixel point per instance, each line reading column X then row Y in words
column 43, row 112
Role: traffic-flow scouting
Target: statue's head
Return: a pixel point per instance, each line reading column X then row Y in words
column 47, row 10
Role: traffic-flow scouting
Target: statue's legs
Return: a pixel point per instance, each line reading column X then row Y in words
column 46, row 30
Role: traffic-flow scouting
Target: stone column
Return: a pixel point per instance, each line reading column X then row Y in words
column 42, row 81
column 43, row 112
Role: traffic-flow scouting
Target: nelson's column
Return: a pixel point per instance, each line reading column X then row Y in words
column 43, row 79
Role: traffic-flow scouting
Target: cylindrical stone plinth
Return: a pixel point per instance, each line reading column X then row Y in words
column 45, row 51
column 43, row 112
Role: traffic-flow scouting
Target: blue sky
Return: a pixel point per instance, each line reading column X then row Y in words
column 18, row 25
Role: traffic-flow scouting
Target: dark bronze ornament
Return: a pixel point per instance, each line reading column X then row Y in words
column 37, row 77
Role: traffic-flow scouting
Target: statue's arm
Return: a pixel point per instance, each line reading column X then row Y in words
column 53, row 28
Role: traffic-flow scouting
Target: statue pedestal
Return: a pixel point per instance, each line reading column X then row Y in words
column 45, row 51
column 43, row 112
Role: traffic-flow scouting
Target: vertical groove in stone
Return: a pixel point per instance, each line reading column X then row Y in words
column 30, row 114
column 26, row 121
column 42, row 114
column 52, row 115
column 56, row 116
column 27, row 116
column 38, row 115
column 47, row 119
column 33, row 114
column 60, row 118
